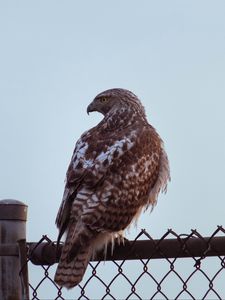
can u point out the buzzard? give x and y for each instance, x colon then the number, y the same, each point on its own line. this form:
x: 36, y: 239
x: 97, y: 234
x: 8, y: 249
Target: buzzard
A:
x: 117, y: 169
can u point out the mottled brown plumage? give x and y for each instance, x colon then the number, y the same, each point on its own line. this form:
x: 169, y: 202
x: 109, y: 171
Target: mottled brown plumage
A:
x: 117, y: 169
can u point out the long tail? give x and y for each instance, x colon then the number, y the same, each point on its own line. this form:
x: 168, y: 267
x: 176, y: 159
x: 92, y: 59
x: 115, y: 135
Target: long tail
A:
x: 69, y: 273
x: 76, y: 254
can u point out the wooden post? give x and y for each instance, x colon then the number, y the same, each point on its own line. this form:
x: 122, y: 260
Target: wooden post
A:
x: 13, y: 215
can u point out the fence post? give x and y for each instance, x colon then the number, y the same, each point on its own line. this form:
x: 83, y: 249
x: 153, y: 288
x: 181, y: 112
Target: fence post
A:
x: 13, y: 215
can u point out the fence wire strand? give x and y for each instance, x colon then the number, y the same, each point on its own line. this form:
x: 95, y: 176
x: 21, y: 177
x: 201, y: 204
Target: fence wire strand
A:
x: 174, y: 277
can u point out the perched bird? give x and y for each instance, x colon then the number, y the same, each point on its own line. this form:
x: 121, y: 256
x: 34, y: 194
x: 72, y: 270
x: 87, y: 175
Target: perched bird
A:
x: 117, y: 169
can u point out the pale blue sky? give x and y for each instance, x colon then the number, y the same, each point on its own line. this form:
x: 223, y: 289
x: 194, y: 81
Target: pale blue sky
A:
x: 55, y: 56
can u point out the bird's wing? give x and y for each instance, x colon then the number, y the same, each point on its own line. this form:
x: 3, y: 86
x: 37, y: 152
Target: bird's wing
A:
x: 74, y: 178
x: 88, y: 168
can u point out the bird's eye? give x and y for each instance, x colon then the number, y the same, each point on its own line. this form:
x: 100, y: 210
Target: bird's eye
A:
x: 103, y: 99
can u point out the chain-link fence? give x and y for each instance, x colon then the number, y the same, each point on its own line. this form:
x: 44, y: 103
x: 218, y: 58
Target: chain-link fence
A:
x: 177, y: 266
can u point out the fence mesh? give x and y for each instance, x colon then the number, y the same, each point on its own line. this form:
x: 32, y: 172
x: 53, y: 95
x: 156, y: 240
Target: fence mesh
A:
x: 170, y: 276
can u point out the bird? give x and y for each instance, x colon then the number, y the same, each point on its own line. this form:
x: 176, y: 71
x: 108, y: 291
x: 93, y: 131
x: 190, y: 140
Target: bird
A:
x: 117, y: 170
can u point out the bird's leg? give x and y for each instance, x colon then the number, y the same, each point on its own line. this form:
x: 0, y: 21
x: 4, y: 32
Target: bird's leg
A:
x: 120, y: 238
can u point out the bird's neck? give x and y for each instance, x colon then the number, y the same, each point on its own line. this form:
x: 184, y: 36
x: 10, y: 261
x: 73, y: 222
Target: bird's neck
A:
x: 121, y: 118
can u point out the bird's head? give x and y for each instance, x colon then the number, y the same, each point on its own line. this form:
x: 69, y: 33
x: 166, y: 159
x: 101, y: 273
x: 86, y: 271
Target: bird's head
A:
x: 111, y: 100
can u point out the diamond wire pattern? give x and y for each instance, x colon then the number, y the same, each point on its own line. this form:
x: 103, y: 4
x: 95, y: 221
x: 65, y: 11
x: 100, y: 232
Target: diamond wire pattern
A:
x: 166, y: 278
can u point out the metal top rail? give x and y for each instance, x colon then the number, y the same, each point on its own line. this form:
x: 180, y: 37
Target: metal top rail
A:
x: 45, y: 252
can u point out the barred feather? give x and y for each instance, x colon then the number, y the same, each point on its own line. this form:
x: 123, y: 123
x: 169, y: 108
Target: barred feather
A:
x: 117, y: 169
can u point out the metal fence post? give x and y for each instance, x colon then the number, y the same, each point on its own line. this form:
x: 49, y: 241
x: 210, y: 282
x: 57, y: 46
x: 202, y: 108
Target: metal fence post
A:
x: 13, y: 215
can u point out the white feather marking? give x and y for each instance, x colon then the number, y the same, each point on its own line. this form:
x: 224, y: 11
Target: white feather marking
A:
x: 88, y: 163
x: 112, y: 149
x: 106, y: 194
x: 81, y: 196
x: 91, y: 205
x: 94, y: 198
x: 81, y: 148
x: 84, y: 194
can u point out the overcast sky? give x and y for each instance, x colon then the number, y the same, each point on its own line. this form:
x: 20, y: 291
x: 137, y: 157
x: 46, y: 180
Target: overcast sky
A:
x: 55, y: 56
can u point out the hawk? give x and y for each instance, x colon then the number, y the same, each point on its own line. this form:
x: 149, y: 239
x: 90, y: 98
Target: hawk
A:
x: 117, y: 169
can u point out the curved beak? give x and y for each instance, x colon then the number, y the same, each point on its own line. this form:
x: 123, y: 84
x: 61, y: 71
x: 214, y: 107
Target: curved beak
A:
x: 90, y: 108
